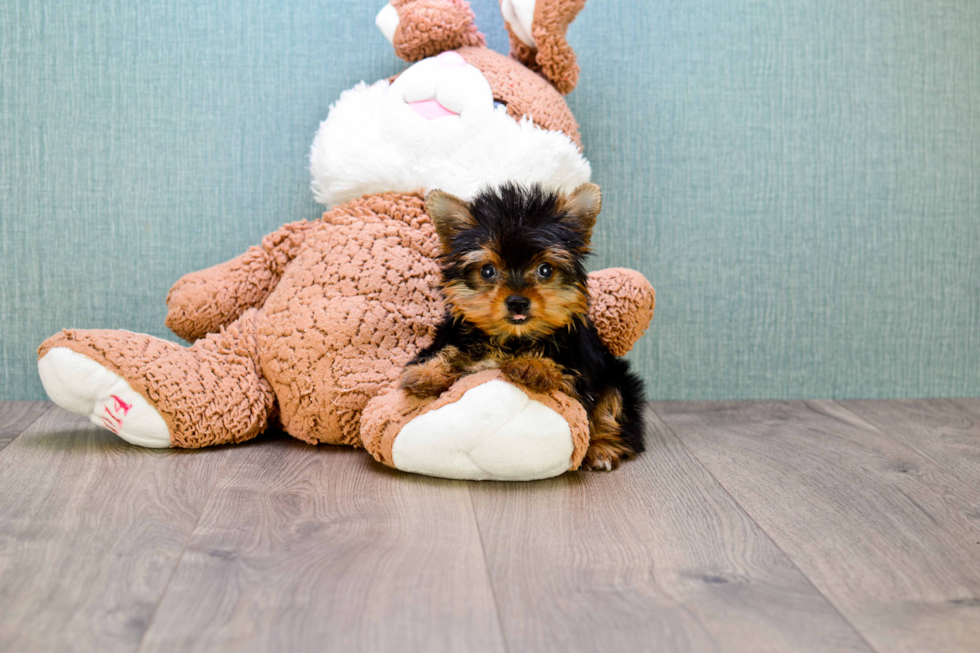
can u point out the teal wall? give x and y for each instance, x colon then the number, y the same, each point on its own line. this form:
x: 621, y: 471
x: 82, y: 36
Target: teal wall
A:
x: 799, y: 179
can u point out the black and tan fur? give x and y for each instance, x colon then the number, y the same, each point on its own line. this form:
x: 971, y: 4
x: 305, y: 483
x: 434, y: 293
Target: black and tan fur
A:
x: 517, y: 300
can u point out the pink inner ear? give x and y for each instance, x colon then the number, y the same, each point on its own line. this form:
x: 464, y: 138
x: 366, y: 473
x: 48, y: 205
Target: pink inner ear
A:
x: 430, y: 109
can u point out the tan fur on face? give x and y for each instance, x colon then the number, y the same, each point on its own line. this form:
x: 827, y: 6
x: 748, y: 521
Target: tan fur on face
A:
x: 554, y: 304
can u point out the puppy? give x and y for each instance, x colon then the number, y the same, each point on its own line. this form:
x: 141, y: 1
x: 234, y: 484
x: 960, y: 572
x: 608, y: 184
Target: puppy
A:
x: 517, y: 300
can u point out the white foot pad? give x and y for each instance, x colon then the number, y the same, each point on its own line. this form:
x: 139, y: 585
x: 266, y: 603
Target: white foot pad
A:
x: 79, y: 384
x: 494, y: 432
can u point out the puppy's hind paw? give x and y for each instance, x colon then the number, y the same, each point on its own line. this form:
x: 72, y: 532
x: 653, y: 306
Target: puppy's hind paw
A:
x: 604, y: 458
x: 599, y: 464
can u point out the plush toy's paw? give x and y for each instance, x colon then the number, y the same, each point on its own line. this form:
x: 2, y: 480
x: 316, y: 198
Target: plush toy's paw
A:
x: 538, y: 374
x: 482, y: 428
x: 79, y: 384
x: 494, y: 431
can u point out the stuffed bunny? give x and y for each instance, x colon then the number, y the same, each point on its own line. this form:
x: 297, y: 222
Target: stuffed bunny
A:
x: 310, y: 329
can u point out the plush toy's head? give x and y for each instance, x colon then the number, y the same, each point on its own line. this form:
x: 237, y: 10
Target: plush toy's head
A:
x: 462, y: 117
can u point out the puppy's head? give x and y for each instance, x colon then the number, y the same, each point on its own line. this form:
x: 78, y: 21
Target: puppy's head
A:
x: 513, y: 257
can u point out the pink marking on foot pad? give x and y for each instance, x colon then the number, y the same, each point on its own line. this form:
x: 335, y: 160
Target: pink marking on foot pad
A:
x: 431, y: 109
x: 121, y: 404
x: 110, y: 421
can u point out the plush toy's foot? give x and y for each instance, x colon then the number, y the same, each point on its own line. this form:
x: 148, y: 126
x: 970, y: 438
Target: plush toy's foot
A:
x: 483, y: 428
x: 155, y: 393
x: 79, y: 384
x: 493, y: 432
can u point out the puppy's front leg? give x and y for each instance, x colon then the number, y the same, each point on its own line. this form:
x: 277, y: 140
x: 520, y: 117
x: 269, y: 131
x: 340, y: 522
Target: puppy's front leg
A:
x: 538, y: 374
x: 432, y: 377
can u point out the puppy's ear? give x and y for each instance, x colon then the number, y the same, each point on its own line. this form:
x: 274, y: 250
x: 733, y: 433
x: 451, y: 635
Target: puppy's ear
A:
x: 450, y: 216
x: 582, y: 207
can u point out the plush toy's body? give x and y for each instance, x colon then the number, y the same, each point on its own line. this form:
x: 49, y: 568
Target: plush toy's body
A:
x: 311, y: 328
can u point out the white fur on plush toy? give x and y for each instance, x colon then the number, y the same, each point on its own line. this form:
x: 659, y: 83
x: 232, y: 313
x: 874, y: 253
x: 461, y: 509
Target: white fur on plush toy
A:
x: 373, y: 142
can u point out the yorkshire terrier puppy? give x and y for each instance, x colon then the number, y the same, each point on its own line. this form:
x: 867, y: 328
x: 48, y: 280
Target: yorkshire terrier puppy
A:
x: 517, y: 299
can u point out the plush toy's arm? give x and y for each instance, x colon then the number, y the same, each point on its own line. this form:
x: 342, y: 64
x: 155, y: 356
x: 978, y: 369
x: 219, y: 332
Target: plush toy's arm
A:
x: 424, y: 28
x: 202, y: 302
x: 621, y: 307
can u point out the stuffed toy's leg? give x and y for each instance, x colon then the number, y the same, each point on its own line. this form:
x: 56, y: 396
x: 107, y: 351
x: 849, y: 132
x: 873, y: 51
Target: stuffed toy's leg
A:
x: 482, y: 428
x: 156, y: 393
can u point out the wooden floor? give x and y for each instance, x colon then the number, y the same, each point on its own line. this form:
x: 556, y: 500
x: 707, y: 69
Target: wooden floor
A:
x: 748, y: 526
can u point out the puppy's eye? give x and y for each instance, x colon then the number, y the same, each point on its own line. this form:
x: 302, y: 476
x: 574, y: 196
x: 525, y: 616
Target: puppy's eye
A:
x: 545, y: 270
x: 488, y: 271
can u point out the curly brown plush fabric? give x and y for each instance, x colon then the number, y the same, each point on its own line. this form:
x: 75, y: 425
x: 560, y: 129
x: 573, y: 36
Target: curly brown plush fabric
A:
x: 621, y: 306
x: 202, y: 302
x: 386, y: 415
x: 555, y: 56
x: 354, y: 307
x: 428, y: 27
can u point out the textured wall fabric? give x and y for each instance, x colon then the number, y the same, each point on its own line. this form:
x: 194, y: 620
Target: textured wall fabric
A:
x: 799, y: 180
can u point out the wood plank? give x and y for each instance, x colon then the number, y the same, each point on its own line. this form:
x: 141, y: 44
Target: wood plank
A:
x: 654, y: 556
x: 945, y: 431
x: 886, y: 534
x: 16, y: 416
x: 91, y: 530
x: 322, y: 549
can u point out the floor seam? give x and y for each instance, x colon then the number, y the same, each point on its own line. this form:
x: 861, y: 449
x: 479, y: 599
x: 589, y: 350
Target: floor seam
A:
x: 51, y: 406
x: 905, y: 445
x: 180, y: 558
x: 768, y: 535
x: 486, y: 570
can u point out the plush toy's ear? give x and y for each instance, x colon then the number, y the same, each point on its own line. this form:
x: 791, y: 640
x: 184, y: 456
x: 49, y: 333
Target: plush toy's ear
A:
x: 424, y: 28
x: 582, y: 207
x: 537, y: 38
x: 450, y: 215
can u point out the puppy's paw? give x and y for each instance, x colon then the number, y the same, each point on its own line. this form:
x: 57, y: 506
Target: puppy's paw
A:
x: 425, y: 381
x: 538, y: 374
x: 603, y: 458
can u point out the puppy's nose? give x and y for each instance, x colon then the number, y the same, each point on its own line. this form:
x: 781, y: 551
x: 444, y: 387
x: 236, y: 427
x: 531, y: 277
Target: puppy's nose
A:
x: 517, y: 304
